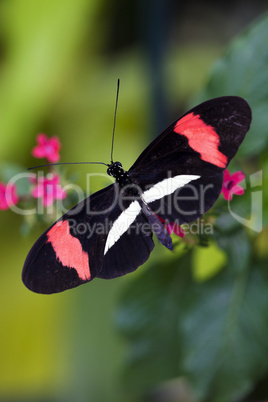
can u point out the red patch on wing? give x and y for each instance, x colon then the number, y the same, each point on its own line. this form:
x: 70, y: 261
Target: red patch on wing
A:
x: 202, y: 138
x: 68, y: 249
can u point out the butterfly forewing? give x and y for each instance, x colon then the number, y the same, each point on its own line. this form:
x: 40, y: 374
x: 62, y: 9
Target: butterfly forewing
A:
x: 222, y: 121
x: 199, y: 146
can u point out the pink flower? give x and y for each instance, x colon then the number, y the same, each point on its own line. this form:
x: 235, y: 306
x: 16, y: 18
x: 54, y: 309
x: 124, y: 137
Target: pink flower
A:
x: 47, y: 148
x: 230, y: 184
x: 8, y: 195
x: 48, y: 188
x: 172, y: 227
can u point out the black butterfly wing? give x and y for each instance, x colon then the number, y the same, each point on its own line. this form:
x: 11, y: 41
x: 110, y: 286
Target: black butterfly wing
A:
x: 192, y: 154
x: 72, y: 251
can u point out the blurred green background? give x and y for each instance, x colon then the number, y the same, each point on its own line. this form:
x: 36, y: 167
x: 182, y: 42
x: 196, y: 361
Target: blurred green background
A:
x: 60, y: 60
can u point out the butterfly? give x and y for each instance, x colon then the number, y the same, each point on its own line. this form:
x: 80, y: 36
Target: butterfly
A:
x: 177, y: 178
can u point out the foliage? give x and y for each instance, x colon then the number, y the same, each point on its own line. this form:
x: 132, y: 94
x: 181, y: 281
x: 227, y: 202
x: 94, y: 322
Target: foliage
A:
x: 212, y: 332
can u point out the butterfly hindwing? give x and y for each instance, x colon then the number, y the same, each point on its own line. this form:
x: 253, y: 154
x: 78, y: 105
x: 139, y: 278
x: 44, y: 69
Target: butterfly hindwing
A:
x: 75, y: 250
x: 129, y: 251
x: 67, y: 255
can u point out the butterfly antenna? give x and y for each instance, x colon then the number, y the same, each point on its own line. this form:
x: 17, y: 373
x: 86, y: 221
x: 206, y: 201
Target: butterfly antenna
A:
x: 68, y: 163
x: 88, y: 163
x: 116, y: 103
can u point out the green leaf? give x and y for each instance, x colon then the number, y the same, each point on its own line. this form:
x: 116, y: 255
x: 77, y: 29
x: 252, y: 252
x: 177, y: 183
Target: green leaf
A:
x: 215, y: 333
x: 10, y: 169
x: 226, y: 222
x: 225, y: 343
x: 18, y: 174
x: 242, y: 71
x: 207, y: 261
x: 148, y: 317
x: 265, y: 186
x: 237, y: 246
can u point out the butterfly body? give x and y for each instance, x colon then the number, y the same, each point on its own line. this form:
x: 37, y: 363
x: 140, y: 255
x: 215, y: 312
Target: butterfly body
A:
x: 121, y: 176
x: 177, y: 178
